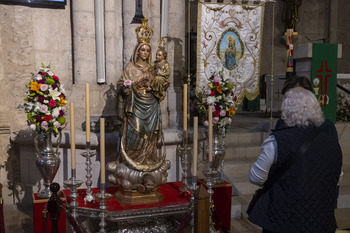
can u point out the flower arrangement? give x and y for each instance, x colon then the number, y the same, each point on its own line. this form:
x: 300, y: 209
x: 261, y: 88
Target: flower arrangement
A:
x: 343, y: 106
x: 218, y: 93
x: 45, y: 102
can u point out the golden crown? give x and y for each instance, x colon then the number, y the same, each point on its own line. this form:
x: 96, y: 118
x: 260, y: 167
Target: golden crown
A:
x: 161, y: 43
x: 143, y: 32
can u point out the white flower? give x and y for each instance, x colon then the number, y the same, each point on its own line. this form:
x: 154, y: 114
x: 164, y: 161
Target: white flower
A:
x: 62, y: 90
x: 206, y: 123
x: 56, y: 124
x: 32, y: 127
x: 55, y: 94
x: 50, y: 73
x: 55, y: 112
x: 38, y: 77
x: 37, y: 106
x: 211, y: 100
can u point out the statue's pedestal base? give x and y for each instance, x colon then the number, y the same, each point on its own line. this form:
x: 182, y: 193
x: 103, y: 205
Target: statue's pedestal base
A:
x: 136, y: 198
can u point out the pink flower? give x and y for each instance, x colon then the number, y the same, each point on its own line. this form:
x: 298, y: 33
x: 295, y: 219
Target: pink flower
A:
x: 217, y: 79
x: 43, y: 108
x: 44, y: 124
x: 64, y: 125
x: 215, y: 120
x: 32, y: 127
x: 52, y: 103
x: 44, y: 87
x: 127, y: 83
x: 205, y: 123
x: 222, y: 113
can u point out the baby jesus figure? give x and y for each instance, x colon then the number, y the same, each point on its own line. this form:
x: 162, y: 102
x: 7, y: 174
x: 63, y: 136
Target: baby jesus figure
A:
x: 161, y: 80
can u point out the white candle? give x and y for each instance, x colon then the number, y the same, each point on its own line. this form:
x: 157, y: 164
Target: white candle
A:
x: 102, y: 150
x: 185, y: 108
x: 210, y: 129
x: 195, y: 143
x: 87, y: 107
x: 72, y: 135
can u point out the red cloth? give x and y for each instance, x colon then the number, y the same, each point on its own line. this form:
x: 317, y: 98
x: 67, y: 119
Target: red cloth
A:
x: 170, y: 191
x: 222, y: 199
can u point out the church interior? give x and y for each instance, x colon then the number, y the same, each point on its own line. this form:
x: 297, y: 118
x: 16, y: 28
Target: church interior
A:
x: 105, y: 99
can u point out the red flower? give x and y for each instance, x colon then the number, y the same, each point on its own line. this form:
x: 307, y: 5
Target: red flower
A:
x: 55, y: 77
x: 212, y: 93
x: 217, y: 113
x: 52, y: 103
x: 47, y: 118
x: 216, y: 83
x: 43, y: 73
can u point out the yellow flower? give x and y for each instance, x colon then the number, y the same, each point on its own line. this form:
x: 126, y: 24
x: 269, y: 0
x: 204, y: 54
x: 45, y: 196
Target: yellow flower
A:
x: 34, y: 86
x: 231, y: 111
x: 62, y: 101
x: 219, y: 89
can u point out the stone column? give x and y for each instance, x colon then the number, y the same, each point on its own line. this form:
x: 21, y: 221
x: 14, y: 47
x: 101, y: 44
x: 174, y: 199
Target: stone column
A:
x: 176, y: 52
x: 333, y: 21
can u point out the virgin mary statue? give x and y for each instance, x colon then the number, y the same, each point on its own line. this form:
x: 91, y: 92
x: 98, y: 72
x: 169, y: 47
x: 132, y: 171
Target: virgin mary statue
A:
x: 139, y: 170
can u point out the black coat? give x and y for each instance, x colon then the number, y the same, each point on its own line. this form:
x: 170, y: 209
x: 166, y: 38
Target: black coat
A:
x: 302, y: 199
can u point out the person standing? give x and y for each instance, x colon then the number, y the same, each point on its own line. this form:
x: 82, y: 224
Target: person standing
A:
x: 302, y: 185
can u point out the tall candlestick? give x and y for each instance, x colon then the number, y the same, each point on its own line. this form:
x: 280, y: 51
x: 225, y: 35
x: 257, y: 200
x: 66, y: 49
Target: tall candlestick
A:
x: 87, y: 107
x: 185, y: 108
x: 102, y: 149
x: 72, y: 135
x: 210, y: 132
x: 195, y: 143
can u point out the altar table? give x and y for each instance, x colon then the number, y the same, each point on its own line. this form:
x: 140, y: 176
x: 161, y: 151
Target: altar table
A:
x: 163, y: 216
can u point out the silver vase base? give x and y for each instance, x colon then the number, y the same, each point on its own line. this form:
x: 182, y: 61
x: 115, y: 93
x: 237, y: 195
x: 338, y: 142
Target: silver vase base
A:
x: 45, y: 194
x: 214, y: 175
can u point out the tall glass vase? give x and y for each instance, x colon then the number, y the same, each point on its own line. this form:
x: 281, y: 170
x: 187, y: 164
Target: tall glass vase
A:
x: 47, y: 160
x: 219, y: 135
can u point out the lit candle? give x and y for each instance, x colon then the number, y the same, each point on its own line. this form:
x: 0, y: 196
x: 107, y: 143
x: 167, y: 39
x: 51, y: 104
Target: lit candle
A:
x: 210, y: 129
x: 195, y: 143
x: 102, y: 150
x: 87, y: 107
x: 185, y: 108
x: 72, y: 135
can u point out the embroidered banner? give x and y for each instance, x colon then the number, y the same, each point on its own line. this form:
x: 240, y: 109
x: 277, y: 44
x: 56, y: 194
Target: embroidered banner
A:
x: 324, y: 77
x: 229, y: 40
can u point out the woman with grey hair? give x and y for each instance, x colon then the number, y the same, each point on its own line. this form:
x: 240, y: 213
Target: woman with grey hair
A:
x: 298, y: 167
